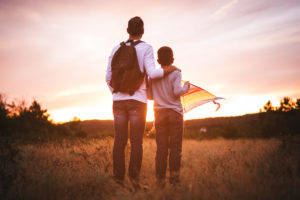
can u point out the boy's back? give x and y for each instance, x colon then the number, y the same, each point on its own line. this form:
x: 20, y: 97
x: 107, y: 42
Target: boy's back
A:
x: 166, y: 92
x: 168, y: 118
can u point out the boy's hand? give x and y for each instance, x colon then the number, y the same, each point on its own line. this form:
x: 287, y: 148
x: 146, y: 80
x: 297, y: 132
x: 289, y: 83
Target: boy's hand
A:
x: 169, y: 69
x: 187, y: 83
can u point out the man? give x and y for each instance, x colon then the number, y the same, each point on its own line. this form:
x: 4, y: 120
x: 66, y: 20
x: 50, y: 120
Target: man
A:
x: 132, y: 108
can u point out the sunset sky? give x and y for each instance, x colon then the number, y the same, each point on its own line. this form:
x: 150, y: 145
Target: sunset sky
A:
x: 57, y: 51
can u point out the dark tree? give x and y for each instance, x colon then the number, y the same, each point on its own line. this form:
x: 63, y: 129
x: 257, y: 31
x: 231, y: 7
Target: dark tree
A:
x: 3, y: 108
x: 286, y: 104
x: 36, y: 111
x: 3, y: 116
x: 298, y: 104
x: 268, y: 107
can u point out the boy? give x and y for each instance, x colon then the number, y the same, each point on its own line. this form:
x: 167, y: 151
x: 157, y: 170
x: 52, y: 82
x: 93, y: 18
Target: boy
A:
x: 168, y: 118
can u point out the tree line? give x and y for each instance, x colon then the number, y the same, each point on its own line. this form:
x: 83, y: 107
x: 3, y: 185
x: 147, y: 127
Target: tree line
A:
x: 281, y: 121
x: 286, y: 105
x: 31, y: 122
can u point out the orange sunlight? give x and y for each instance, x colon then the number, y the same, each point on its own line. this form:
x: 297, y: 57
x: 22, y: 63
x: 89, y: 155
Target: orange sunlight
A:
x: 239, y: 105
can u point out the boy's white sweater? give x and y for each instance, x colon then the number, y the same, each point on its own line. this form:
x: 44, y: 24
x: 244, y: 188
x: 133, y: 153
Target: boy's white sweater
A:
x: 166, y: 92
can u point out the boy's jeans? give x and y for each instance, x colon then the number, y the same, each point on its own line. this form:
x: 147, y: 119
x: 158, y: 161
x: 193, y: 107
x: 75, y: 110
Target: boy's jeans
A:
x: 169, y: 131
x: 134, y: 112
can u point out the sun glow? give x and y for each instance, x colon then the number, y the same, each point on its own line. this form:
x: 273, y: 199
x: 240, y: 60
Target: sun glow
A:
x: 91, y: 112
x: 238, y: 105
x: 68, y: 114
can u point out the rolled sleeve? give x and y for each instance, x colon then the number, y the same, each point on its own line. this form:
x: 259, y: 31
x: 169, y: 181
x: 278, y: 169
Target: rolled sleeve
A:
x: 149, y: 64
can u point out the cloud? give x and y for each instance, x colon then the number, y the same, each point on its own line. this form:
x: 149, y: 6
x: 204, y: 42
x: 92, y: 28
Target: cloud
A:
x: 223, y: 11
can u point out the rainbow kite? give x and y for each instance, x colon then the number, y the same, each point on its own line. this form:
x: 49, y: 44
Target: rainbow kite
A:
x: 197, y: 96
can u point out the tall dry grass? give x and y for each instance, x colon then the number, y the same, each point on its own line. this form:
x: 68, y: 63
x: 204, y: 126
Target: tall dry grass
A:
x: 215, y: 169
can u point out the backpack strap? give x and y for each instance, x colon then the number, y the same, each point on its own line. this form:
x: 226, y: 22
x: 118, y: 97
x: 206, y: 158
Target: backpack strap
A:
x: 134, y: 43
x: 137, y: 42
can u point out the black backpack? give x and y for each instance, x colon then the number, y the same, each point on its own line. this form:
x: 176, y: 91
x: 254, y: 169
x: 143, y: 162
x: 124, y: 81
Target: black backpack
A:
x: 126, y: 74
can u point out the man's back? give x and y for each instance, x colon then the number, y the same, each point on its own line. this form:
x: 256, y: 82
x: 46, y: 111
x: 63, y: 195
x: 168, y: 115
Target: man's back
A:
x: 166, y: 92
x: 145, y: 57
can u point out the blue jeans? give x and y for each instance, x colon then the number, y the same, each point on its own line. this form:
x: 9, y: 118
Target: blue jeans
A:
x: 169, y: 131
x: 130, y: 112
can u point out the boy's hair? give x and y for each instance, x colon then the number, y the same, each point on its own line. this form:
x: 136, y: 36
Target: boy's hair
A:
x: 165, y: 55
x: 135, y: 26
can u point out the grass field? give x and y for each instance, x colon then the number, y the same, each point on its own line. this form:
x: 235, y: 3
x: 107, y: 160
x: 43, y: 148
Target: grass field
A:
x: 211, y: 169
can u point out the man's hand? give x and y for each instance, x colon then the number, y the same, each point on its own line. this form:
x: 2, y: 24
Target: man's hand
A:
x: 169, y: 69
x: 187, y: 83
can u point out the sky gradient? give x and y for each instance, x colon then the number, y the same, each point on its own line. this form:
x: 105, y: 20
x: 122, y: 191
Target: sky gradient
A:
x: 57, y: 51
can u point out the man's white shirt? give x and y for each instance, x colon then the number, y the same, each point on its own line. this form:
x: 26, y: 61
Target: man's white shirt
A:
x: 146, y: 62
